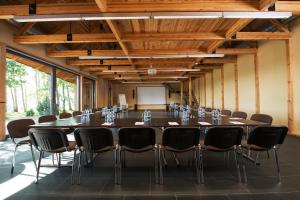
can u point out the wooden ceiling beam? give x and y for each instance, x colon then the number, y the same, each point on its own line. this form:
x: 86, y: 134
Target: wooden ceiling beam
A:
x: 279, y: 25
x: 26, y: 27
x: 236, y: 51
x: 101, y: 68
x: 265, y: 4
x: 165, y: 60
x: 172, y: 36
x: 97, y: 62
x: 219, y: 60
x: 288, y: 6
x: 263, y: 35
x: 93, y: 8
x: 9, y: 11
x: 77, y: 53
x: 62, y: 38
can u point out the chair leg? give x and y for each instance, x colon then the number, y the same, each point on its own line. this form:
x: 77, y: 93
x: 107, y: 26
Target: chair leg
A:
x: 155, y: 165
x: 277, y: 164
x: 176, y: 159
x: 13, y: 160
x: 256, y: 159
x: 33, y: 156
x: 39, y: 166
x: 160, y: 159
x: 116, y: 165
x: 73, y: 166
x: 120, y: 166
x: 243, y: 165
x: 79, y: 167
x: 201, y: 165
x: 237, y: 164
x: 164, y: 158
x: 197, y: 157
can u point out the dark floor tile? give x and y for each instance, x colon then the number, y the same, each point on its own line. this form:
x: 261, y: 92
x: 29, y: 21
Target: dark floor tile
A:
x: 208, y: 197
x: 150, y: 198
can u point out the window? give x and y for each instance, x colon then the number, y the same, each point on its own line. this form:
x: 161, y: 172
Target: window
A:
x: 66, y: 91
x: 27, y: 88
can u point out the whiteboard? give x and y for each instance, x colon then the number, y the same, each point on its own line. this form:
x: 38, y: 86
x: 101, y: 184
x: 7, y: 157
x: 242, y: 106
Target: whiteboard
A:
x: 152, y: 95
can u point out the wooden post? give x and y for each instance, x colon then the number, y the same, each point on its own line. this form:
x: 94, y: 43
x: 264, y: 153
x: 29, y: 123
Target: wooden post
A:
x: 181, y: 92
x: 204, y: 90
x: 222, y: 86
x: 236, y: 85
x: 2, y: 90
x: 190, y: 91
x: 200, y: 91
x: 212, y: 90
x: 257, y: 94
x: 81, y: 93
x: 290, y: 73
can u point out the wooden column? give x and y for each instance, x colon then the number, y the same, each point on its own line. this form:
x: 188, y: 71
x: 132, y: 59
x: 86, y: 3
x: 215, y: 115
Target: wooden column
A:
x: 2, y: 90
x: 81, y: 106
x: 290, y: 73
x: 257, y: 94
x: 181, y: 92
x: 212, y: 90
x: 236, y: 86
x: 200, y: 91
x: 222, y: 87
x: 190, y: 91
x: 204, y: 86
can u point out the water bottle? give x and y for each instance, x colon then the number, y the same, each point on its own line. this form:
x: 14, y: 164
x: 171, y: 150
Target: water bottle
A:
x: 201, y: 112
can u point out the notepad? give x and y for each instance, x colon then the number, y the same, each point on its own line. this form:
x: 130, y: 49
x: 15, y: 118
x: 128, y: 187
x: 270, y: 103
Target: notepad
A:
x: 107, y: 124
x: 204, y: 123
x: 173, y: 123
x: 139, y: 123
x: 235, y: 122
x: 235, y: 118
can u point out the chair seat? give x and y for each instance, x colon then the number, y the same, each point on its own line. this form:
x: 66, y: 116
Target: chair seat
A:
x: 72, y: 146
x: 252, y: 146
x: 167, y: 148
x: 212, y: 148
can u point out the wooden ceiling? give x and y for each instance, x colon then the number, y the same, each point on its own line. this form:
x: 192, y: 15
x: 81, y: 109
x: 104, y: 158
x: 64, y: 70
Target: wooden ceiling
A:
x: 140, y: 37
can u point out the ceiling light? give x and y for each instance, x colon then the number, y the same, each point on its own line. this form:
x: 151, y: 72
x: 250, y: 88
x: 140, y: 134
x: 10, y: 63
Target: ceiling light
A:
x: 257, y: 15
x: 179, y: 70
x: 116, y: 16
x: 186, y: 15
x: 47, y: 18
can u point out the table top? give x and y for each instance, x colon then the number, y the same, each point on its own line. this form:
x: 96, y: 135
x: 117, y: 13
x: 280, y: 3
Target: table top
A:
x: 159, y: 119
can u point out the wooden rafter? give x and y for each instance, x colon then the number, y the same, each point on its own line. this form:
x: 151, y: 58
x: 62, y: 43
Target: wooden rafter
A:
x: 290, y: 6
x: 265, y: 4
x: 279, y: 25
x: 26, y: 27
x: 236, y: 51
x: 263, y: 35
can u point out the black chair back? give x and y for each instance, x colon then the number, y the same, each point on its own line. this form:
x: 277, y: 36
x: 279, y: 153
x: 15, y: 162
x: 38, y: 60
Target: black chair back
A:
x: 48, y: 139
x: 267, y: 136
x: 239, y: 114
x: 226, y: 112
x: 208, y: 109
x: 93, y: 139
x: 65, y: 115
x: 136, y: 138
x: 19, y: 128
x: 76, y: 113
x: 47, y: 118
x: 262, y: 118
x: 181, y: 138
x: 223, y: 137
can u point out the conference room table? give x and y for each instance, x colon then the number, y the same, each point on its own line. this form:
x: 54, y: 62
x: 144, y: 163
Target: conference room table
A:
x: 158, y: 119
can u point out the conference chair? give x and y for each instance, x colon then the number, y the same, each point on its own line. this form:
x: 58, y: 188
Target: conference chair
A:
x: 208, y: 109
x: 47, y: 118
x: 94, y: 141
x: 223, y: 139
x: 18, y: 132
x: 262, y: 118
x: 264, y: 139
x: 239, y: 114
x: 226, y: 112
x: 76, y: 113
x: 179, y: 140
x: 53, y: 141
x: 65, y: 115
x: 136, y: 140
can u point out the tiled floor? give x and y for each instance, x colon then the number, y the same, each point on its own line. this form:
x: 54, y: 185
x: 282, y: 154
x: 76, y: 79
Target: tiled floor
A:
x: 138, y: 180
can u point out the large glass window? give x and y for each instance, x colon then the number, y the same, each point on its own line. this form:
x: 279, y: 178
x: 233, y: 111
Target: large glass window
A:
x: 27, y: 88
x: 66, y: 91
x: 88, y: 87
